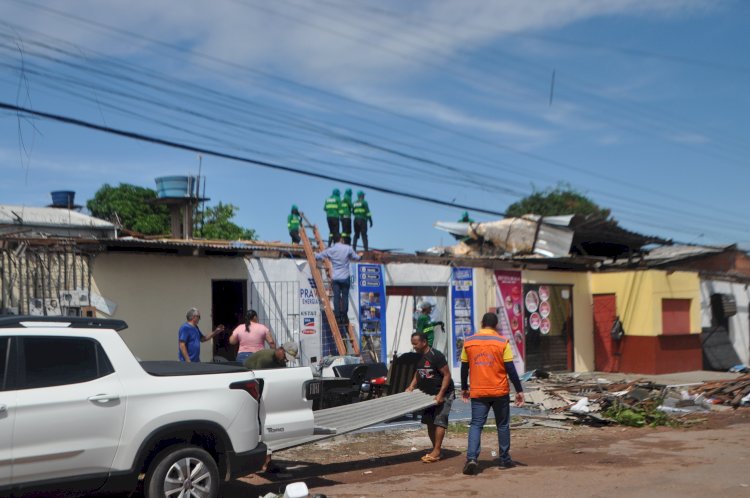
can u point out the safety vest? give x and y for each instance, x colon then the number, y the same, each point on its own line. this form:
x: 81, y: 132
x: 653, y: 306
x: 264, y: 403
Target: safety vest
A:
x: 345, y: 209
x: 361, y: 209
x: 331, y: 207
x: 487, y: 375
x: 428, y: 327
x: 293, y: 222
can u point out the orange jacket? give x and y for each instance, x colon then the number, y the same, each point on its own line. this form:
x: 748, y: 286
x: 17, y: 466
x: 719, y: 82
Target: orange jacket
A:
x: 486, y: 353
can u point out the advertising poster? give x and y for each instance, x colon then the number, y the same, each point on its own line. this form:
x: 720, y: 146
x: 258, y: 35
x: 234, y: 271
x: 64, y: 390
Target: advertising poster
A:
x: 510, y: 313
x: 538, y: 309
x: 462, y: 306
x: 370, y: 288
x: 310, y: 316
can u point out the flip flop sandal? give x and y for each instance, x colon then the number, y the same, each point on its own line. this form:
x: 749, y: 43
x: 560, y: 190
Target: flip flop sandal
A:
x: 430, y: 459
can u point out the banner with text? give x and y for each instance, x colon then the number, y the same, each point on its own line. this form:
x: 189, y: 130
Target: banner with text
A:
x: 509, y: 291
x: 462, y: 307
x: 370, y: 290
x: 310, y: 319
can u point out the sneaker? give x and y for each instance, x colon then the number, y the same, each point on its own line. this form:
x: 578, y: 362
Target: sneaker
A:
x: 507, y: 464
x: 470, y: 468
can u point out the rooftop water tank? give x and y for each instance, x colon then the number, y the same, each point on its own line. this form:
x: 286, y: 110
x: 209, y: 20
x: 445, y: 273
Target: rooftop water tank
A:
x: 63, y: 199
x: 175, y: 186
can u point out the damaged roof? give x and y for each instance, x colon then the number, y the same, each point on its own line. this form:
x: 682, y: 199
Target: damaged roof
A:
x: 599, y: 237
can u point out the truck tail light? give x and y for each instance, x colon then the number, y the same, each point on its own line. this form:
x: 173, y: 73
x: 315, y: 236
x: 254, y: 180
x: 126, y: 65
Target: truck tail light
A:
x: 249, y: 386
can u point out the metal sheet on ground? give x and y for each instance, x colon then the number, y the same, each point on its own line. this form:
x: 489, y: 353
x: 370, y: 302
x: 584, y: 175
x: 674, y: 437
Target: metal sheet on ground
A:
x: 349, y: 418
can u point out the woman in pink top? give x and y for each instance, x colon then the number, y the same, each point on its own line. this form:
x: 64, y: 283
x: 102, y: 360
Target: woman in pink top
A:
x: 250, y: 336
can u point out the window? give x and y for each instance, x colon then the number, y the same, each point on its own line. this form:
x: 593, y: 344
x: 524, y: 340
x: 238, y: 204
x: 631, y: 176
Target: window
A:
x: 55, y: 361
x: 675, y: 316
x: 4, y: 353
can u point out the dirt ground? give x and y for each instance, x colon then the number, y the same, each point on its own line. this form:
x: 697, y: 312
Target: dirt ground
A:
x: 710, y: 457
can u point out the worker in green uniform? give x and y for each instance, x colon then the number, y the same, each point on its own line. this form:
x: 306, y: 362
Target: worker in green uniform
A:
x: 465, y: 218
x: 345, y: 214
x: 362, y: 216
x: 425, y: 323
x: 331, y: 207
x: 293, y: 221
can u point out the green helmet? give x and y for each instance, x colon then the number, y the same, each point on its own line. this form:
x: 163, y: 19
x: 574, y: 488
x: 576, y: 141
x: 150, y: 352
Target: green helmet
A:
x: 348, y: 192
x: 336, y: 192
x: 360, y: 194
x: 294, y: 208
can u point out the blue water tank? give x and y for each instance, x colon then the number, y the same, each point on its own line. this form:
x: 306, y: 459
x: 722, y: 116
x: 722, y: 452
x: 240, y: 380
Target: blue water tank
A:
x: 63, y: 198
x: 175, y: 186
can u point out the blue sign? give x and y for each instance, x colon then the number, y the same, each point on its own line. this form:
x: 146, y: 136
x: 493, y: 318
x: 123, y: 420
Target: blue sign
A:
x: 462, y: 305
x: 371, y: 317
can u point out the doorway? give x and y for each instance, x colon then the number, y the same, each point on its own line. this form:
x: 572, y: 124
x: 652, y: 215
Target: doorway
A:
x: 402, y: 312
x: 228, y: 298
x: 548, y: 323
x: 605, y: 311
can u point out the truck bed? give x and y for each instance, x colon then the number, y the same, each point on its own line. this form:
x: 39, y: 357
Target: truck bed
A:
x: 178, y: 368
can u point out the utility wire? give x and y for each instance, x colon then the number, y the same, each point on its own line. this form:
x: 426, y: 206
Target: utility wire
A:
x: 469, y: 136
x: 209, y: 152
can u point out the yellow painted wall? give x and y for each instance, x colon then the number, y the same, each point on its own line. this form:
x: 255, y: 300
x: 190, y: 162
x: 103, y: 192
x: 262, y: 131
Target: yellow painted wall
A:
x: 171, y: 285
x: 639, y: 295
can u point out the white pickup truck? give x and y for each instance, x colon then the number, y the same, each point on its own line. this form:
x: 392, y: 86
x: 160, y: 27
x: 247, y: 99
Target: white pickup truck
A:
x: 80, y: 415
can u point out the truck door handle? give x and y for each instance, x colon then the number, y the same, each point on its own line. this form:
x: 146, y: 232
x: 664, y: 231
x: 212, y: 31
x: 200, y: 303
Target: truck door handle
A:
x: 3, y: 410
x: 103, y: 398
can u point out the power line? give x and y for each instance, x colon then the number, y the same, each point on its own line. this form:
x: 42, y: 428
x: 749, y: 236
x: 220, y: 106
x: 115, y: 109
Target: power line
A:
x: 210, y: 152
x: 385, y: 111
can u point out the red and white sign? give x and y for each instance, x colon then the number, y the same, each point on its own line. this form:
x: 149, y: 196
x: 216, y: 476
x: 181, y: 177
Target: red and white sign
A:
x: 509, y: 291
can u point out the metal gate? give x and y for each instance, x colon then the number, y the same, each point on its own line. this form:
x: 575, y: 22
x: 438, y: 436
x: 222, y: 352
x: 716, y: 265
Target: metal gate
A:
x: 277, y: 304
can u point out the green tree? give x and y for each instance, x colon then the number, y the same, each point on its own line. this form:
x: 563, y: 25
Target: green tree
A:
x: 132, y: 206
x: 559, y: 200
x: 215, y: 223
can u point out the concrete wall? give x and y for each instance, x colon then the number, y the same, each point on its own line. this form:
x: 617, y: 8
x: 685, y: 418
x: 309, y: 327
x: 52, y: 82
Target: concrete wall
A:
x: 153, y: 293
x: 639, y: 295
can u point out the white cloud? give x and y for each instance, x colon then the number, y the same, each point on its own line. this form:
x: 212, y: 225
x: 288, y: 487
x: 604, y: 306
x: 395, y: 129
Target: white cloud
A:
x: 689, y: 138
x: 356, y: 42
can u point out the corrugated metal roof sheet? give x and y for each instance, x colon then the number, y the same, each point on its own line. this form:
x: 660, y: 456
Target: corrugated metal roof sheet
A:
x: 681, y: 251
x: 41, y: 216
x: 349, y: 418
x: 227, y: 245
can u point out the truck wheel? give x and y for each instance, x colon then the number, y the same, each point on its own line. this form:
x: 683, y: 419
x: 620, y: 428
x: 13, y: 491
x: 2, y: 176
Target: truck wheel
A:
x: 184, y: 471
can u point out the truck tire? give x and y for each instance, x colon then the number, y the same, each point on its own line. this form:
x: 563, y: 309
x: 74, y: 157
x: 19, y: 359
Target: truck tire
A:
x: 188, y: 468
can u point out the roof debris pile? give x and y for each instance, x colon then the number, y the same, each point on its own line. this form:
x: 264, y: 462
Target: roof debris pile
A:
x: 570, y: 398
x: 735, y: 392
x: 547, y: 236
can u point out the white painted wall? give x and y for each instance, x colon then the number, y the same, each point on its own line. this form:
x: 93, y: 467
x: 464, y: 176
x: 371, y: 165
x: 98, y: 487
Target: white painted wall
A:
x: 153, y: 292
x: 739, y: 326
x: 417, y: 274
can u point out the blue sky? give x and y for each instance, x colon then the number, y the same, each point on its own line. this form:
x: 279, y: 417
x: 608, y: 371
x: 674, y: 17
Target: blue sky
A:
x: 455, y: 100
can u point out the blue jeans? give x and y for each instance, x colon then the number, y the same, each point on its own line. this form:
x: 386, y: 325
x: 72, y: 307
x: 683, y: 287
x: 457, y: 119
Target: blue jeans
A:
x: 480, y: 408
x: 243, y: 356
x: 341, y: 299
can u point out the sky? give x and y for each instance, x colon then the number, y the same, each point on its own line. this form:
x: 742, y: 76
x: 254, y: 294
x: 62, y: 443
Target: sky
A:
x: 640, y: 105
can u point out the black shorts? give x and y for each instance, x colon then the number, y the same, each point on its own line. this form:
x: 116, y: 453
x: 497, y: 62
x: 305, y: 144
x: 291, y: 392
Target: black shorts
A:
x: 438, y: 414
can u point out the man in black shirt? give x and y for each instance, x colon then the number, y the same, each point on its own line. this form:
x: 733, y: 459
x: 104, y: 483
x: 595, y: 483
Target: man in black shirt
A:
x: 433, y: 377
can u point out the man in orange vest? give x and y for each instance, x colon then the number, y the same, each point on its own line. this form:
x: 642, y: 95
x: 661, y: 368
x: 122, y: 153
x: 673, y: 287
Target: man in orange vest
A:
x: 486, y: 365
